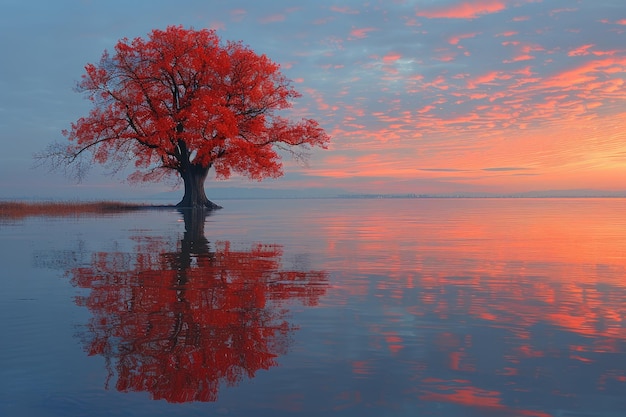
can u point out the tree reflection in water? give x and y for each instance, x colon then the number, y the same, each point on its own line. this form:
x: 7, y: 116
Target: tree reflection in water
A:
x: 178, y: 320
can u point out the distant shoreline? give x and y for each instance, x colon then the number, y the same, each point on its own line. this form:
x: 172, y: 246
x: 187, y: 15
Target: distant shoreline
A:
x: 504, y: 196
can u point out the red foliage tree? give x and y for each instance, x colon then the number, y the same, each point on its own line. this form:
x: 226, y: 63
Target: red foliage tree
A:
x: 181, y: 102
x: 178, y: 323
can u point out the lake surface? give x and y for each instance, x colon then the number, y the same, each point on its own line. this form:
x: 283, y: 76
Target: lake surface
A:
x: 391, y: 307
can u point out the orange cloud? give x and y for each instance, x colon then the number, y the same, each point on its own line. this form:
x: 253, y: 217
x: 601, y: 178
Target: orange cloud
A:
x: 586, y: 73
x: 581, y: 50
x: 465, y: 10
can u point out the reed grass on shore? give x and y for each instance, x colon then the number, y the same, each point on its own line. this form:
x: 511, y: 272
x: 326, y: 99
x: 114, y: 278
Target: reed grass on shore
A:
x: 21, y: 209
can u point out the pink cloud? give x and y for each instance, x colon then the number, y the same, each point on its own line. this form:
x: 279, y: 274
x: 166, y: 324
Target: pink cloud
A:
x: 323, y: 21
x: 455, y: 39
x: 319, y: 99
x: 465, y: 10
x: 345, y: 10
x: 519, y: 58
x: 564, y: 10
x: 426, y: 109
x: 273, y: 18
x: 237, y: 15
x: 527, y: 72
x: 216, y: 25
x: 585, y: 73
x: 392, y: 57
x: 445, y: 55
x: 483, y: 79
x: 581, y: 50
x: 360, y: 33
x: 524, y: 51
x: 439, y: 83
x: 478, y: 96
x: 602, y: 53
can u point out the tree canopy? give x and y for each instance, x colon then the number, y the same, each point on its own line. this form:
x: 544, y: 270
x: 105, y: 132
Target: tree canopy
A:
x: 182, y: 102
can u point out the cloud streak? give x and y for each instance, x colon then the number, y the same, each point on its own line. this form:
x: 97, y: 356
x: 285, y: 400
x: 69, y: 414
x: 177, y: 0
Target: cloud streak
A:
x: 464, y: 10
x: 505, y: 169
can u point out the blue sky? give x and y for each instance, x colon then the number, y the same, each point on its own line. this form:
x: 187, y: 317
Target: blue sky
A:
x: 426, y: 96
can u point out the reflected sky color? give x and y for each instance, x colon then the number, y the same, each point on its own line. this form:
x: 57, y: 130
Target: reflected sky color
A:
x: 473, y: 307
x: 423, y: 96
x: 479, y: 307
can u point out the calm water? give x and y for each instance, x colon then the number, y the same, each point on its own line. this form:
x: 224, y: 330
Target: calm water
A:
x: 319, y: 307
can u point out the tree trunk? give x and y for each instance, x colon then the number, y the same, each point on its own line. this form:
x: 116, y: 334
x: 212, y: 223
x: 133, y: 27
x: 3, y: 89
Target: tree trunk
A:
x: 195, y: 197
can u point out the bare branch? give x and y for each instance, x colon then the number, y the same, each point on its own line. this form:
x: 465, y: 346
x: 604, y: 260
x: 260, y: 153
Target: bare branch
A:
x: 57, y: 157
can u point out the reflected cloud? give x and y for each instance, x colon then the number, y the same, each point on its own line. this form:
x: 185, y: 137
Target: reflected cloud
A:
x: 496, y: 308
x: 179, y: 319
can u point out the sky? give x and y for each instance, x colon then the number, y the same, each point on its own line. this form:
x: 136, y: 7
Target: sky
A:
x: 422, y: 96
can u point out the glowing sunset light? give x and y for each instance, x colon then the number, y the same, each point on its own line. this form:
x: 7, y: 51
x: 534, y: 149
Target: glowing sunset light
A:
x: 502, y: 294
x: 453, y: 84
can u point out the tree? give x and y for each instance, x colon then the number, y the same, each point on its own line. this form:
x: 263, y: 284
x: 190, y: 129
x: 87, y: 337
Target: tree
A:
x: 182, y: 102
x: 182, y: 319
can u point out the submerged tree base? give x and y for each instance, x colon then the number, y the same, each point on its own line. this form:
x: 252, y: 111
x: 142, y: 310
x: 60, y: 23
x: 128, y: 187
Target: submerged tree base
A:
x: 195, y: 196
x: 206, y: 205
